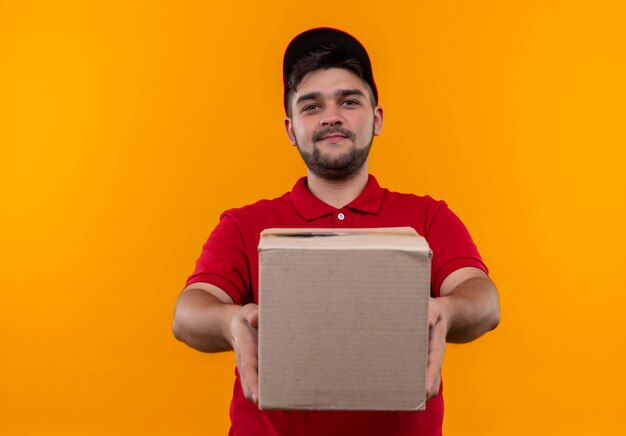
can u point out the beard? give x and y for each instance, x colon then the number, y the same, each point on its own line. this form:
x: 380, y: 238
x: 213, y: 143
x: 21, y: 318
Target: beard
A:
x: 341, y: 167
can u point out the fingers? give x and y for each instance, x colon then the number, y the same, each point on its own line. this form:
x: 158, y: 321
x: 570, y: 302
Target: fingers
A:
x: 245, y: 339
x: 433, y: 390
x: 247, y: 363
x: 436, y: 350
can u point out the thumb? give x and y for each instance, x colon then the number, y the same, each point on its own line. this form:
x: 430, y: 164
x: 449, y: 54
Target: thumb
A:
x: 253, y: 317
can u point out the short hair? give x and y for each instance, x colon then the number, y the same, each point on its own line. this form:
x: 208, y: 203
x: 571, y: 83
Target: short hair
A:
x: 327, y: 57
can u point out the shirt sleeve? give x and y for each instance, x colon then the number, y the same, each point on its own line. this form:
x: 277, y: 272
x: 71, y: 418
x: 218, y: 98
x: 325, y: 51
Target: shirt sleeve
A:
x: 223, y: 262
x: 451, y: 244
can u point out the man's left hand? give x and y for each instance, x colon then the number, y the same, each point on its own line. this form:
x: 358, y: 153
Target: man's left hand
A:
x: 437, y: 327
x: 467, y: 308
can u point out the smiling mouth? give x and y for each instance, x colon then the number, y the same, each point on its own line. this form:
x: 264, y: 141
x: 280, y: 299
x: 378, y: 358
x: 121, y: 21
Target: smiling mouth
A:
x: 333, y: 134
x: 334, y: 137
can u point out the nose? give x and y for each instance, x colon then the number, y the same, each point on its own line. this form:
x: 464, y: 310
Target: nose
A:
x: 331, y: 116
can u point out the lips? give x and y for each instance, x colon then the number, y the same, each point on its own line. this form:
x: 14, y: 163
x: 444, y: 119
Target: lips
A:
x: 333, y: 134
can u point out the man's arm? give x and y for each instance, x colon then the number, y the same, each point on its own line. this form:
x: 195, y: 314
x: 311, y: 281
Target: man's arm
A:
x: 472, y: 307
x: 467, y: 308
x: 206, y: 319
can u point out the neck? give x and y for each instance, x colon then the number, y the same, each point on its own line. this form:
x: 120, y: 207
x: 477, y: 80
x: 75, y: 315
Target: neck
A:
x: 338, y: 193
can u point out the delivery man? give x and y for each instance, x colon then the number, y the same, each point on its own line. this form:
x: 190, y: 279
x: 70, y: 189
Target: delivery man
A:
x: 332, y: 116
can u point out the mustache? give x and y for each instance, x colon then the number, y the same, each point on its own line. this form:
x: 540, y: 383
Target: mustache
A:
x: 332, y: 131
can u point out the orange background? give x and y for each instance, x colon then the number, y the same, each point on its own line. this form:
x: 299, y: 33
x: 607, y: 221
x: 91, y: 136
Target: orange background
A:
x: 126, y: 127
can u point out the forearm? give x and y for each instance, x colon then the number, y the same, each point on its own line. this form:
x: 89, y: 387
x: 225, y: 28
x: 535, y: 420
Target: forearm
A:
x: 203, y: 322
x: 471, y: 310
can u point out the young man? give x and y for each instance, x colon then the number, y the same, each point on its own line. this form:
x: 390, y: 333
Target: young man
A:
x: 333, y: 114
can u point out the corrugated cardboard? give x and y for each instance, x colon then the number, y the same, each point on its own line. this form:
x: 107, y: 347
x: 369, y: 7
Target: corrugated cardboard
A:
x: 343, y: 319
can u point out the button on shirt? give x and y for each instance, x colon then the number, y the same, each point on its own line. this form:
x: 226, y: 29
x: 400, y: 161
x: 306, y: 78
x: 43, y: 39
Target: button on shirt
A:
x: 229, y: 260
x: 341, y: 219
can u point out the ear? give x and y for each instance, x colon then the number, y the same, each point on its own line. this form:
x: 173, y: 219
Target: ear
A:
x: 289, y: 130
x: 378, y: 120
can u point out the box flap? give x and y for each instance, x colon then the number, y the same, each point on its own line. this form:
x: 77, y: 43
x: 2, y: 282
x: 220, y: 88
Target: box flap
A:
x: 395, y: 238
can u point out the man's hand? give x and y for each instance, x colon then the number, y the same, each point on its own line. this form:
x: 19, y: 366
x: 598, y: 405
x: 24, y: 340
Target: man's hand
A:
x: 437, y: 330
x: 467, y: 308
x: 207, y: 319
x: 244, y: 331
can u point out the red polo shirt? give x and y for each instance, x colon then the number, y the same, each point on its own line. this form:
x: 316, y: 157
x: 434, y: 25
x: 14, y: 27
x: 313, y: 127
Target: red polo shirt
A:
x: 229, y: 260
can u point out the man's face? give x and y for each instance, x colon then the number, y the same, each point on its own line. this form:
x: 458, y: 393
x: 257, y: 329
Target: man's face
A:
x: 333, y: 122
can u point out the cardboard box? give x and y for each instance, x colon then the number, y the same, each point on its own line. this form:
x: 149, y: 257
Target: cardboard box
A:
x: 343, y: 319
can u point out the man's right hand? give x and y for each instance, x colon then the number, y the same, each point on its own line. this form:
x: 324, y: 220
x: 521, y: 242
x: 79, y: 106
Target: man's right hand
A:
x: 244, y: 331
x: 207, y: 319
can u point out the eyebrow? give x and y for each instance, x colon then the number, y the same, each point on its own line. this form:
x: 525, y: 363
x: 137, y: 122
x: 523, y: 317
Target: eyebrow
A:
x: 339, y: 93
x: 309, y: 96
x: 347, y: 92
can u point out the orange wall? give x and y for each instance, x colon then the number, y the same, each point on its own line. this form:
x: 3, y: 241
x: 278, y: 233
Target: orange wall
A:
x: 126, y: 127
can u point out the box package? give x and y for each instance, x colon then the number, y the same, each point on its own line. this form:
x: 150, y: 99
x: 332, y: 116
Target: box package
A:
x: 343, y: 319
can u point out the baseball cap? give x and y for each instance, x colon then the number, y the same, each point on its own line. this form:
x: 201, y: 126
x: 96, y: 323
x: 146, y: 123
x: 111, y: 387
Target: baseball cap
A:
x: 321, y: 37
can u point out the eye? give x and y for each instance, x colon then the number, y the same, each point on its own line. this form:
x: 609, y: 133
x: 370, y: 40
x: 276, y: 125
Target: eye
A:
x: 310, y: 107
x: 350, y: 102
